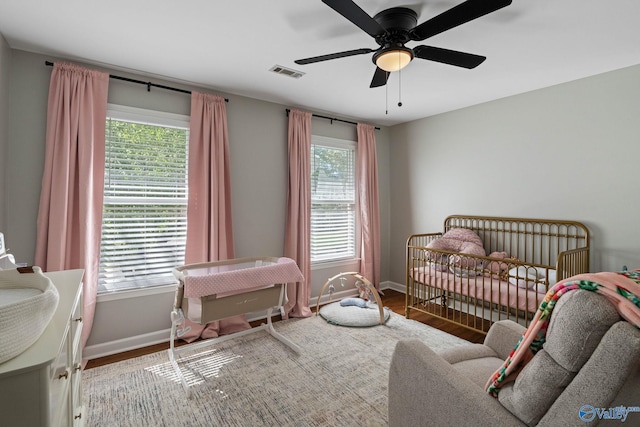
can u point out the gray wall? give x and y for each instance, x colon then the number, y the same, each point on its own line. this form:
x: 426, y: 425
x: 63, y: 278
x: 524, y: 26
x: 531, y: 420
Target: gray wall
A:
x: 569, y: 152
x: 258, y: 156
x: 5, y: 59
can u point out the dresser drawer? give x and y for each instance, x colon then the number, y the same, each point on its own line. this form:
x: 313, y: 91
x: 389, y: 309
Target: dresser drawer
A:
x: 76, y: 407
x: 76, y: 329
x: 59, y: 384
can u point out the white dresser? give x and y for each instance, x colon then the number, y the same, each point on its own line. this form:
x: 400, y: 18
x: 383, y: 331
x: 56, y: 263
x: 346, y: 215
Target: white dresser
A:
x: 42, y: 386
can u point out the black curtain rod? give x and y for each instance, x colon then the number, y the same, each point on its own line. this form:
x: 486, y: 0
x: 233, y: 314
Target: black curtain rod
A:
x: 147, y: 84
x: 333, y: 119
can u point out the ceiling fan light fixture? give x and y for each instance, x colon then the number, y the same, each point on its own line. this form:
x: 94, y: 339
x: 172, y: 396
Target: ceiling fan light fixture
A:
x: 393, y: 58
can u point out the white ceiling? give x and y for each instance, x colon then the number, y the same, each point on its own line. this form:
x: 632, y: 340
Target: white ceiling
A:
x: 229, y: 46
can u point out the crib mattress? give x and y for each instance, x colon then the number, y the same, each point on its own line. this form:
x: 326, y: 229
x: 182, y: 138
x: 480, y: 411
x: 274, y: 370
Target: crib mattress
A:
x: 484, y: 287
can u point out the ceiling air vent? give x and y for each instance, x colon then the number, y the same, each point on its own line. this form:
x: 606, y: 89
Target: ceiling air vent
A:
x: 286, y: 71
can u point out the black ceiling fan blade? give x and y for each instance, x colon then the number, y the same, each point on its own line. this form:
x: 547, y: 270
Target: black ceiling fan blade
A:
x: 380, y: 78
x: 446, y: 56
x: 457, y: 15
x: 356, y: 15
x: 333, y: 56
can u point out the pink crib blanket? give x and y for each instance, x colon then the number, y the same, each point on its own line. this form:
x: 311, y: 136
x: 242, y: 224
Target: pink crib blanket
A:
x: 622, y: 289
x: 242, y: 277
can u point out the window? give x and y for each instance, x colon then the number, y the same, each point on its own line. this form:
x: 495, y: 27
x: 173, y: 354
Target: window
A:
x: 145, y: 198
x: 333, y: 200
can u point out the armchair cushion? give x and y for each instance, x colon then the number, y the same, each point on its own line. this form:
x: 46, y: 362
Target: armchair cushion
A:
x: 499, y: 342
x: 474, y: 361
x: 536, y: 388
x: 609, y: 378
x: 503, y: 336
x: 579, y: 321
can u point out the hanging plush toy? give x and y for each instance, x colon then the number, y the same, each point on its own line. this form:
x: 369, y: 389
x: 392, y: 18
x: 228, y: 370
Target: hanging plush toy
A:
x: 363, y: 291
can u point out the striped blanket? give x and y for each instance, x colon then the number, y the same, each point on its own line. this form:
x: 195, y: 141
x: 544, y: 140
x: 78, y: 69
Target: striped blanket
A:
x: 622, y: 289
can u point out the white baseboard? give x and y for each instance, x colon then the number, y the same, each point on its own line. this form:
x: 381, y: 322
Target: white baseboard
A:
x: 400, y: 287
x: 132, y: 343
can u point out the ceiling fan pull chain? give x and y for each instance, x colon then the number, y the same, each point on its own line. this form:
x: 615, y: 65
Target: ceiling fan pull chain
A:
x: 386, y: 99
x: 399, y: 88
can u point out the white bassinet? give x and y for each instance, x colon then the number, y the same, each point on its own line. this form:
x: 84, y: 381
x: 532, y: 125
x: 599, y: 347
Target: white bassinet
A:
x: 216, y: 290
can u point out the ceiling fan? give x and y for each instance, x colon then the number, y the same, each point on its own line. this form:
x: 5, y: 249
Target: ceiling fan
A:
x: 393, y: 28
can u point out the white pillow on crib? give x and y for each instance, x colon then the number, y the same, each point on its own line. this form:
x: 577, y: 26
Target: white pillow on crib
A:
x: 551, y: 272
x: 464, y: 272
x: 552, y: 276
x: 435, y: 266
x: 523, y: 277
x: 530, y: 277
x: 540, y: 288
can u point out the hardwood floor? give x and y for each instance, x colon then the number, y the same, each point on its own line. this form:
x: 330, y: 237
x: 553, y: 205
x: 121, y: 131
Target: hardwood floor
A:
x: 394, y: 300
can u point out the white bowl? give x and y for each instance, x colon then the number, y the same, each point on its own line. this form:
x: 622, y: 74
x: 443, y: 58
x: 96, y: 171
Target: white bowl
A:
x: 28, y: 301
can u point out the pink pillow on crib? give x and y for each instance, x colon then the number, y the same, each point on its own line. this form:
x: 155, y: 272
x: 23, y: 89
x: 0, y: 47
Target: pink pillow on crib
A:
x: 460, y: 240
x: 496, y: 266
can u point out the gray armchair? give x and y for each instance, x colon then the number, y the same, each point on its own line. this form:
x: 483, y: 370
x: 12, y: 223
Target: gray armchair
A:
x: 590, y: 361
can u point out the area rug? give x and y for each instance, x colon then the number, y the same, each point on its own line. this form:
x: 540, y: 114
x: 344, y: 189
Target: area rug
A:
x: 339, y: 379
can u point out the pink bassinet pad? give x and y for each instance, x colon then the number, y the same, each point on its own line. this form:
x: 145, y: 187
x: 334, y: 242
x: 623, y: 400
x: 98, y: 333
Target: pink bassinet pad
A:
x: 243, y: 276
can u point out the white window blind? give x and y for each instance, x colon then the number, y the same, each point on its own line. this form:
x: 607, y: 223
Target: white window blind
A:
x: 333, y: 200
x: 145, y: 199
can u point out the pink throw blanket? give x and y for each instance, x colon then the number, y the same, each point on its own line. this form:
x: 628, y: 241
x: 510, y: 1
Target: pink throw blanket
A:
x: 622, y: 289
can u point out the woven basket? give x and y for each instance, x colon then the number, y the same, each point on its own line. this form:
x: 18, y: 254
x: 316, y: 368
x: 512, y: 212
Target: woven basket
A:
x: 22, y: 321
